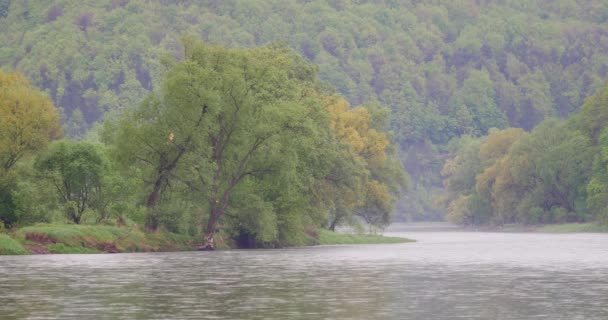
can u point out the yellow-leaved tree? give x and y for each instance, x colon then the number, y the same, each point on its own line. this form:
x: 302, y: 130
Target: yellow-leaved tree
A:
x: 28, y: 121
x: 380, y: 178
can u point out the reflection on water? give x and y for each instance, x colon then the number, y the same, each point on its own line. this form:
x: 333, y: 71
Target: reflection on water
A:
x: 445, y: 275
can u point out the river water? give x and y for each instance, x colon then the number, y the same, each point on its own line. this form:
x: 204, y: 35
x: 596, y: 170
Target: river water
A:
x: 445, y: 275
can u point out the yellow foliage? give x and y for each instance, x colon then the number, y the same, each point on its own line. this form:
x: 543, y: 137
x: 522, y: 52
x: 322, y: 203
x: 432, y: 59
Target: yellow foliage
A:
x: 459, y: 211
x: 28, y: 119
x: 498, y: 143
x: 497, y: 186
x: 352, y: 126
x: 371, y: 197
x: 450, y: 167
x: 378, y: 192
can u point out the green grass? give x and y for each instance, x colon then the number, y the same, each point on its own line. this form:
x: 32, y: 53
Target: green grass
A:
x: 327, y: 237
x: 67, y: 238
x: 62, y: 248
x: 573, y: 227
x: 62, y: 238
x: 9, y: 246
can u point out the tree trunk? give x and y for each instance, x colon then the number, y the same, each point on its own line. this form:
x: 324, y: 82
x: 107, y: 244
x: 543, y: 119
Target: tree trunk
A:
x: 153, y: 197
x: 151, y: 221
x: 208, y: 243
x: 72, y: 215
x: 333, y: 224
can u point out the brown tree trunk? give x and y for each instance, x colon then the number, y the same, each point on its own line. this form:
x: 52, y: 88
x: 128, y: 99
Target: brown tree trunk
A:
x: 73, y: 215
x: 208, y: 242
x: 151, y: 221
x: 153, y: 197
x: 333, y: 224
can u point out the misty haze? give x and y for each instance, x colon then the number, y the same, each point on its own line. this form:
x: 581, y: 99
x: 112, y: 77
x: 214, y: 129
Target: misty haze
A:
x: 303, y: 159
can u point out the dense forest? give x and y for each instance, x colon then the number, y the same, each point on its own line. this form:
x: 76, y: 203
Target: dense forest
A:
x: 461, y: 87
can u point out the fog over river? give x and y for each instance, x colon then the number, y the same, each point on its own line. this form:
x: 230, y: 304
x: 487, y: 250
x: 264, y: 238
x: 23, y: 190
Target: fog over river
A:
x: 445, y: 275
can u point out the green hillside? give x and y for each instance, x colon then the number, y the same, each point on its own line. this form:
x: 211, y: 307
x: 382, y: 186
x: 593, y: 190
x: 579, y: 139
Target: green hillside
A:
x: 445, y: 68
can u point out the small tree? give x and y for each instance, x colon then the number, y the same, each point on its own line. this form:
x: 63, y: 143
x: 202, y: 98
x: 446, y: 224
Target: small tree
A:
x: 76, y: 169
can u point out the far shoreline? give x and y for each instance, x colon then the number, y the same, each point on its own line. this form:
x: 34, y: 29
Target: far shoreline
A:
x: 507, y: 228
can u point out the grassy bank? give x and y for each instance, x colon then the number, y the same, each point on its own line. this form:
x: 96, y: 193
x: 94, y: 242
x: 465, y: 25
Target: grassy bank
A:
x: 573, y: 228
x: 56, y: 238
x: 327, y: 237
x: 61, y: 238
x: 8, y: 246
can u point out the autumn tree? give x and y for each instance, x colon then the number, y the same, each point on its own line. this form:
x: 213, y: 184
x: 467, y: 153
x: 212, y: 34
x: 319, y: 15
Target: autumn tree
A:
x: 28, y: 121
x: 372, y: 188
x: 459, y: 174
x: 495, y: 185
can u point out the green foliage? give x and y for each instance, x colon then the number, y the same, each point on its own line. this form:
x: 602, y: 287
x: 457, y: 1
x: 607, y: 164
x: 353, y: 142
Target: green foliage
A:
x: 554, y: 165
x: 593, y: 118
x: 76, y: 170
x: 35, y: 199
x: 546, y: 176
x: 28, y: 121
x: 251, y: 141
x: 477, y: 95
x: 248, y: 136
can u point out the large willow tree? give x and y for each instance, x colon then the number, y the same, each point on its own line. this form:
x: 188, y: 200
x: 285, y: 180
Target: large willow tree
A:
x: 259, y: 109
x: 222, y: 118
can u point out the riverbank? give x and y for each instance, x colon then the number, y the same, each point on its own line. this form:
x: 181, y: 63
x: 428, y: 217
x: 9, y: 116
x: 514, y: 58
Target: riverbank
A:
x: 514, y: 228
x: 549, y: 228
x: 327, y: 237
x: 8, y: 246
x: 574, y: 228
x: 59, y: 238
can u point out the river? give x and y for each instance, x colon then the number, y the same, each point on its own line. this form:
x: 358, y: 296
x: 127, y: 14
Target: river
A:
x: 445, y: 275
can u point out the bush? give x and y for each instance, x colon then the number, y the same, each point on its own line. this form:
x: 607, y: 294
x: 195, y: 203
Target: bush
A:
x: 558, y: 214
x: 535, y: 215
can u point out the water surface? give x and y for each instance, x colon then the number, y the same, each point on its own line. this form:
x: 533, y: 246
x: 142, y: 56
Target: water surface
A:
x: 445, y: 275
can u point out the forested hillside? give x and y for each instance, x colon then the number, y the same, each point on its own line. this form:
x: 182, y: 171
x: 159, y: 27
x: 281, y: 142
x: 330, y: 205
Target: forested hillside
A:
x: 445, y: 68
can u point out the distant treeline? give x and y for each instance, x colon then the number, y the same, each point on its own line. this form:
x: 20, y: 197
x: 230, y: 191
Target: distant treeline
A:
x: 244, y: 144
x: 556, y: 173
x: 444, y: 68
